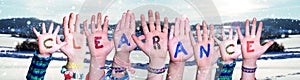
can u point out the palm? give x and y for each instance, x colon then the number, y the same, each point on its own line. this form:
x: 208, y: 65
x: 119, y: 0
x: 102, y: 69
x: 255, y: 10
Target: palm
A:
x: 182, y: 37
x: 98, y: 42
x: 204, y: 61
x: 42, y: 38
x: 148, y: 46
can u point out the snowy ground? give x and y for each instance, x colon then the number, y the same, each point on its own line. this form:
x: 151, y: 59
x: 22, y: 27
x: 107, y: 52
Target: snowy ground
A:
x: 280, y: 69
x: 16, y: 69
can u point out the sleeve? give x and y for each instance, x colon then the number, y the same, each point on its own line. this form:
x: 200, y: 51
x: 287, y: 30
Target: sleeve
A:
x: 38, y: 67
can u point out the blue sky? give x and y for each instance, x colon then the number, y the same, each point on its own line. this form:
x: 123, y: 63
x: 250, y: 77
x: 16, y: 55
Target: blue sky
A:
x: 228, y: 10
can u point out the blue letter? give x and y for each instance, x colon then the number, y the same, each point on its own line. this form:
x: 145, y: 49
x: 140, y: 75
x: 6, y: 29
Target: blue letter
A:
x: 179, y: 49
x: 123, y: 40
x: 202, y: 50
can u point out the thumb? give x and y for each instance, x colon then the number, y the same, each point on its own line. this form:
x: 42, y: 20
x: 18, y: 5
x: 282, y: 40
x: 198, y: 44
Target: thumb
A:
x: 58, y: 41
x: 266, y: 46
x: 137, y: 40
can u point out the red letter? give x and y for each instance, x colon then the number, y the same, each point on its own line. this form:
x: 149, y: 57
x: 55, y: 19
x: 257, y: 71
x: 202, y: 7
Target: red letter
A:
x: 97, y: 42
x: 249, y: 44
x: 74, y: 45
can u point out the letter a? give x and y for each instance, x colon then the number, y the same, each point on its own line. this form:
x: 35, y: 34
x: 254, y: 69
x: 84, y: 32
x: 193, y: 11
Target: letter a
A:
x: 202, y: 50
x: 123, y: 40
x: 179, y: 49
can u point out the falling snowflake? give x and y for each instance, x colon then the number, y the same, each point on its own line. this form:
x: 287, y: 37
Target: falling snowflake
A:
x: 73, y: 7
x: 28, y: 22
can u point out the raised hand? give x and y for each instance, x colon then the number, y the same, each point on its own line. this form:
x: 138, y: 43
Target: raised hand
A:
x: 251, y: 48
x: 204, y: 47
x: 99, y: 46
x: 203, y: 51
x: 98, y: 42
x: 155, y: 46
x: 47, y: 41
x: 180, y: 47
x: 75, y: 40
x: 228, y: 47
x: 124, y: 30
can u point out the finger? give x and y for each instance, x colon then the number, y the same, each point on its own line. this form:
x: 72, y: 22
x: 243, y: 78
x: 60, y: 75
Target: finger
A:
x: 105, y: 27
x: 187, y: 26
x: 71, y: 24
x: 157, y: 17
x: 141, y: 37
x: 93, y: 24
x: 99, y: 21
x: 118, y: 26
x: 56, y: 30
x: 239, y: 32
x: 172, y: 32
x: 247, y: 28
x: 193, y: 42
x: 58, y: 41
x: 166, y: 25
x: 181, y: 26
x: 58, y: 46
x: 211, y: 32
x: 132, y: 23
x: 144, y: 24
x: 123, y: 19
x: 85, y: 28
x: 266, y: 46
x: 137, y: 41
x: 205, y: 32
x: 127, y: 19
x: 217, y: 40
x: 230, y: 34
x: 237, y: 53
x: 151, y: 20
x: 43, y: 28
x: 236, y: 37
x: 253, y: 27
x: 198, y: 32
x: 77, y: 24
x: 177, y: 27
x: 259, y: 30
x: 36, y: 32
x: 223, y: 34
x: 65, y: 25
x: 51, y: 28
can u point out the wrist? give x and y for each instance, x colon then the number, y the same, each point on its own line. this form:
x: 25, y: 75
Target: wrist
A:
x: 45, y: 55
x: 227, y: 61
x: 250, y: 63
x: 98, y: 61
x: 177, y: 63
x: 157, y: 63
x: 122, y: 56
